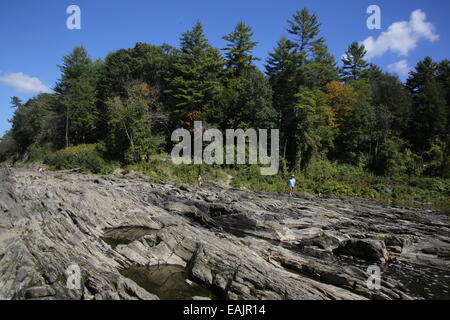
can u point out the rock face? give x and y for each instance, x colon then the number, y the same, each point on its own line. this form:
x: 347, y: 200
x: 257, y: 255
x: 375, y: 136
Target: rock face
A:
x: 367, y: 249
x: 240, y: 244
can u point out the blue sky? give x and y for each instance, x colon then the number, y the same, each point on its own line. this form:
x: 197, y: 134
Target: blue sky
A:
x: 34, y: 35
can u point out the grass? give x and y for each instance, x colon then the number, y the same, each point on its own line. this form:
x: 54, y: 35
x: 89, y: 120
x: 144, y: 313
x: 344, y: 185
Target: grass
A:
x: 322, y: 177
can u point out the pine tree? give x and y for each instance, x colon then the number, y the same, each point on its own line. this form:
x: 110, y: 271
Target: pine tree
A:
x: 429, y: 121
x: 305, y: 29
x: 320, y: 70
x: 15, y: 102
x: 239, y: 49
x: 354, y: 63
x: 281, y: 68
x: 77, y: 89
x: 302, y: 61
x: 247, y: 96
x: 196, y: 87
x: 32, y: 121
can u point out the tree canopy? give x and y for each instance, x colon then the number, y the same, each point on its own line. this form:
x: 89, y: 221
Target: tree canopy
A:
x: 348, y: 111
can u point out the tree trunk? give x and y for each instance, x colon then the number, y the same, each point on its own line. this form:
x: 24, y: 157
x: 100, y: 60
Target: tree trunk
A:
x: 67, y: 127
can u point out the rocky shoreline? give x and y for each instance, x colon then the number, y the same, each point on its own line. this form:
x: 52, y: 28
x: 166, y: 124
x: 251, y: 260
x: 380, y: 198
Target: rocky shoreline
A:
x: 238, y: 244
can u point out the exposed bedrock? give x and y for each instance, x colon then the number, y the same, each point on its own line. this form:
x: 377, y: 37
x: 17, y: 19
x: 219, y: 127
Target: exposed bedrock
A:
x: 238, y: 244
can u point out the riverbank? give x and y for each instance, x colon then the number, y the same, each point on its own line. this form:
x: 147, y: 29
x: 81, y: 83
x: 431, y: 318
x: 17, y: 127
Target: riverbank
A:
x: 236, y: 244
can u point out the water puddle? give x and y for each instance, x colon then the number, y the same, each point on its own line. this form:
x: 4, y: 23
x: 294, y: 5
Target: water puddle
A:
x: 167, y: 282
x: 126, y: 235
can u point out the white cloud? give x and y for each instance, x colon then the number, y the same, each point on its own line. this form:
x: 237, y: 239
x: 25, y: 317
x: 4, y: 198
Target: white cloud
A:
x: 23, y: 83
x: 401, y: 37
x: 401, y: 67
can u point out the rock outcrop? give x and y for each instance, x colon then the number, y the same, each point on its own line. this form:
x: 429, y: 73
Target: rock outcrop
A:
x: 367, y: 249
x: 240, y: 244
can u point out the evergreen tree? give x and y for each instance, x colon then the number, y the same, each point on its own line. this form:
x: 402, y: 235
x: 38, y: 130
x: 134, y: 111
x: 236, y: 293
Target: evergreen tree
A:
x: 356, y: 114
x: 77, y: 89
x: 248, y: 101
x: 305, y: 29
x: 16, y: 102
x: 238, y: 54
x: 354, y: 63
x: 429, y: 120
x: 320, y: 70
x: 196, y: 87
x: 281, y: 70
x: 32, y: 121
x: 443, y: 72
x: 292, y: 64
x: 247, y: 95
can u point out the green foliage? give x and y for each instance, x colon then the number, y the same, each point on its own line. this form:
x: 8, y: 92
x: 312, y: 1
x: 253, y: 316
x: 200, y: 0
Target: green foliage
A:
x: 38, y: 152
x: 238, y: 54
x: 130, y: 127
x: 8, y: 147
x: 161, y: 170
x: 353, y: 131
x: 77, y: 92
x: 354, y: 141
x: 391, y: 96
x: 126, y: 67
x: 354, y: 63
x: 298, y: 63
x: 249, y: 102
x: 313, y: 133
x: 195, y: 85
x: 437, y: 160
x: 395, y: 159
x: 342, y: 180
x: 83, y: 157
x: 32, y: 121
x: 430, y: 106
x: 320, y: 70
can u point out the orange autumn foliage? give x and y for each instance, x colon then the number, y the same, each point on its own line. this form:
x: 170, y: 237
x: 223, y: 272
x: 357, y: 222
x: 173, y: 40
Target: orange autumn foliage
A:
x: 341, y: 98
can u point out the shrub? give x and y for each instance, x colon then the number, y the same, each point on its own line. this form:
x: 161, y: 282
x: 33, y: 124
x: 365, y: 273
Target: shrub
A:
x: 84, y: 157
x: 38, y: 152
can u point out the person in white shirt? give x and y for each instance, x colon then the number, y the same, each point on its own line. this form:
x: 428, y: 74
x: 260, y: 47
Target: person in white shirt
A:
x: 291, y: 185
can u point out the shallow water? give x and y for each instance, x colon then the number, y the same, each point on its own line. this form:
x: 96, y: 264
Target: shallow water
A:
x: 420, y: 282
x: 167, y: 282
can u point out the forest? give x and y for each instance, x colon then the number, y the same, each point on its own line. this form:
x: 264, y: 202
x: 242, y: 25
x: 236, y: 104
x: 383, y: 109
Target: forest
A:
x: 332, y: 113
